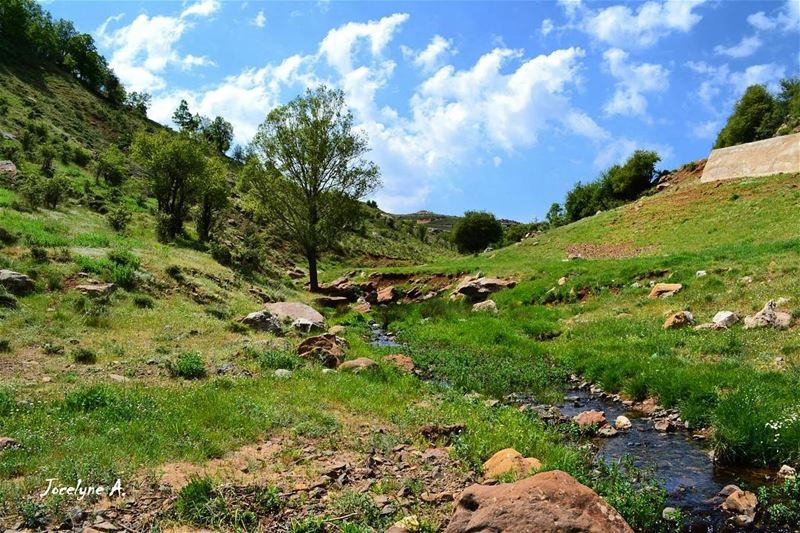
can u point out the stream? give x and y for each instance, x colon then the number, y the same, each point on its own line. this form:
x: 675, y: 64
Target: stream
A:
x: 682, y: 465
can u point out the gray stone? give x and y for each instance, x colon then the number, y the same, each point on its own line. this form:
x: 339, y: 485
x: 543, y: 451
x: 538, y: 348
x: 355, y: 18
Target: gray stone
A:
x: 283, y: 373
x: 16, y: 283
x: 8, y: 167
x: 725, y: 319
x: 262, y: 321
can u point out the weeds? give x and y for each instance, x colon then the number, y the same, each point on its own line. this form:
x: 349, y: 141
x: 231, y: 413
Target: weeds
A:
x: 188, y: 365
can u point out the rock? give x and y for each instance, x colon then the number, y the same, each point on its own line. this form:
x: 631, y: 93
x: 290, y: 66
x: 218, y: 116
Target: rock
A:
x: 16, y: 283
x: 725, y: 319
x: 340, y: 287
x: 480, y: 288
x: 436, y: 431
x: 679, y: 320
x: 663, y: 425
x: 363, y: 307
x: 574, y: 257
x: 357, y: 365
x: 96, y: 289
x: 387, y: 295
x: 262, y: 321
x: 488, y: 306
x: 550, y: 502
x: 622, y: 423
x: 509, y: 461
x: 670, y: 514
x: 291, y: 311
x: 665, y: 290
x: 589, y: 418
x: 403, y: 362
x: 741, y: 502
x: 607, y: 431
x: 768, y: 317
x: 746, y: 279
x: 562, y: 280
x: 8, y: 167
x: 727, y: 490
x: 787, y: 472
x: 296, y: 273
x: 282, y: 373
x: 118, y: 378
x: 106, y: 526
x: 326, y: 348
x: 331, y: 301
x: 337, y: 329
x: 306, y: 326
x: 699, y: 274
x: 8, y: 442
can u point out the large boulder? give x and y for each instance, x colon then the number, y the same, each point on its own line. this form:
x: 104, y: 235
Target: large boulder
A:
x: 340, y: 287
x: 550, y: 502
x: 16, y: 283
x: 8, y: 167
x: 357, y: 365
x: 262, y: 321
x: 509, y: 461
x: 665, y: 290
x: 476, y: 289
x: 768, y: 317
x: 292, y: 311
x: 590, y: 418
x: 387, y: 295
x: 326, y: 348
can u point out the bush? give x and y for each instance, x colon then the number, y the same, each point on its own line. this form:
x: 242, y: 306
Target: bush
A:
x: 124, y: 258
x: 273, y: 359
x: 7, y: 300
x: 475, y: 231
x: 119, y: 218
x: 7, y: 238
x: 142, y: 301
x: 111, y: 166
x: 84, y: 356
x: 188, y: 365
x: 192, y: 503
x: 5, y: 345
x: 89, y: 398
x: 31, y: 190
x: 39, y: 254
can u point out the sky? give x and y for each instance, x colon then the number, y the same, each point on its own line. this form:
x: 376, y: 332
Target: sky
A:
x: 498, y: 106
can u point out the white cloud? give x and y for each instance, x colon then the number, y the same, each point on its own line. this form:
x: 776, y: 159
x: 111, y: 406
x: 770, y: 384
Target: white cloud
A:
x: 432, y: 56
x: 142, y: 50
x: 721, y: 87
x: 761, y: 21
x: 338, y: 46
x: 622, y: 27
x: 260, y: 20
x: 707, y: 129
x: 633, y: 81
x: 547, y: 27
x: 571, y: 7
x: 746, y: 47
x: 787, y: 18
x: 618, y: 150
x: 768, y: 74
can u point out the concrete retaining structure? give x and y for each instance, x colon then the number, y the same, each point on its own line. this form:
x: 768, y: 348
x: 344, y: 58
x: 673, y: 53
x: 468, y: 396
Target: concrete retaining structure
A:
x: 761, y: 158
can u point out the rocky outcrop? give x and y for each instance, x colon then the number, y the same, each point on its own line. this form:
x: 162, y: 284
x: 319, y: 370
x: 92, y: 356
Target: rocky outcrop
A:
x: 293, y: 311
x: 8, y: 167
x: 590, y: 418
x: 262, y: 321
x: 387, y: 295
x: 16, y: 283
x: 550, y: 502
x: 768, y: 317
x: 679, y: 320
x: 357, y: 365
x: 477, y: 289
x: 509, y: 461
x: 742, y: 504
x: 96, y: 289
x: 326, y: 348
x: 665, y: 290
x: 488, y: 306
x: 340, y: 287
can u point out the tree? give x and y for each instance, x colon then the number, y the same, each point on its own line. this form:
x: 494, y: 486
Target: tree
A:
x: 756, y: 116
x: 184, y: 119
x: 310, y: 170
x: 138, y: 101
x: 219, y: 134
x: 53, y: 190
x: 111, y: 166
x: 213, y: 198
x: 555, y: 215
x: 176, y: 168
x: 630, y: 180
x: 475, y: 231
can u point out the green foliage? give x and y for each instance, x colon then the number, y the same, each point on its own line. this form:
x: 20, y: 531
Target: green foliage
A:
x: 213, y: 199
x: 268, y: 499
x: 311, y: 170
x: 7, y: 402
x: 89, y: 398
x: 111, y: 166
x: 193, y: 500
x: 119, y: 218
x: 188, y: 365
x: 143, y: 301
x: 475, y: 231
x: 31, y: 189
x: 517, y: 232
x: 781, y: 503
x: 139, y: 102
x: 84, y: 356
x: 54, y: 189
x: 272, y: 359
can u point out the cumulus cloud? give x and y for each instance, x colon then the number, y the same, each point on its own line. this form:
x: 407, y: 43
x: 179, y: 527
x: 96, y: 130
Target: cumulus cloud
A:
x: 142, y: 50
x: 787, y: 18
x: 622, y: 27
x: 547, y: 27
x: 746, y: 47
x: 260, y: 20
x: 432, y: 56
x: 338, y: 46
x: 634, y: 80
x: 618, y: 150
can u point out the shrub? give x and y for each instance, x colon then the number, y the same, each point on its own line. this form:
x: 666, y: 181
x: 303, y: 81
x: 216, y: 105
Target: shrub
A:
x: 39, y: 254
x: 175, y: 272
x: 273, y: 359
x: 475, y: 231
x: 84, y: 356
x: 124, y: 258
x: 7, y: 300
x: 111, y: 166
x: 192, y: 504
x: 5, y: 345
x: 89, y: 398
x: 219, y: 312
x: 267, y: 499
x: 189, y: 365
x: 31, y: 190
x: 142, y: 301
x: 7, y: 238
x: 119, y: 218
x: 7, y: 402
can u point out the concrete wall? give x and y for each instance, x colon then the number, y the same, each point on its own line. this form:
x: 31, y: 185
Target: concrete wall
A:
x: 760, y: 158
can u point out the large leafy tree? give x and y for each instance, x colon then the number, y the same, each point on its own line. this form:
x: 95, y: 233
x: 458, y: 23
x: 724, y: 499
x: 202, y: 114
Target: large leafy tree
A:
x: 219, y: 134
x: 213, y: 198
x: 475, y: 231
x: 631, y: 179
x: 755, y: 117
x: 310, y: 169
x: 177, y: 169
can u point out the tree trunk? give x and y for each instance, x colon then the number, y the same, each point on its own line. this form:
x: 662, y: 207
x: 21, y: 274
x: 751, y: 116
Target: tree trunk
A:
x: 313, y: 282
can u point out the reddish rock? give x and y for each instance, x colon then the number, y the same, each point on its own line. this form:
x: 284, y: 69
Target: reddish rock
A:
x: 362, y: 308
x: 480, y: 288
x: 509, y: 461
x: 96, y: 289
x: 403, y: 362
x: 679, y: 320
x: 387, y: 295
x: 550, y: 502
x: 665, y: 290
x: 588, y: 418
x: 741, y: 502
x: 326, y: 348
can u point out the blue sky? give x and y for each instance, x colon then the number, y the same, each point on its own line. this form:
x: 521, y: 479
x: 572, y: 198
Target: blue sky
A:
x: 500, y: 106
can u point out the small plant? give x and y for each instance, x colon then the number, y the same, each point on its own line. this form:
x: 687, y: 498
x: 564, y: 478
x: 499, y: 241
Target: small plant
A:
x: 189, y: 365
x: 119, y: 218
x: 52, y: 349
x: 237, y: 327
x: 309, y: 524
x: 272, y: 359
x: 7, y: 300
x: 175, y: 272
x: 5, y: 346
x: 143, y: 301
x: 84, y: 356
x: 268, y: 499
x: 89, y: 398
x: 7, y: 238
x: 219, y: 312
x: 7, y: 402
x: 39, y: 254
x: 193, y: 501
